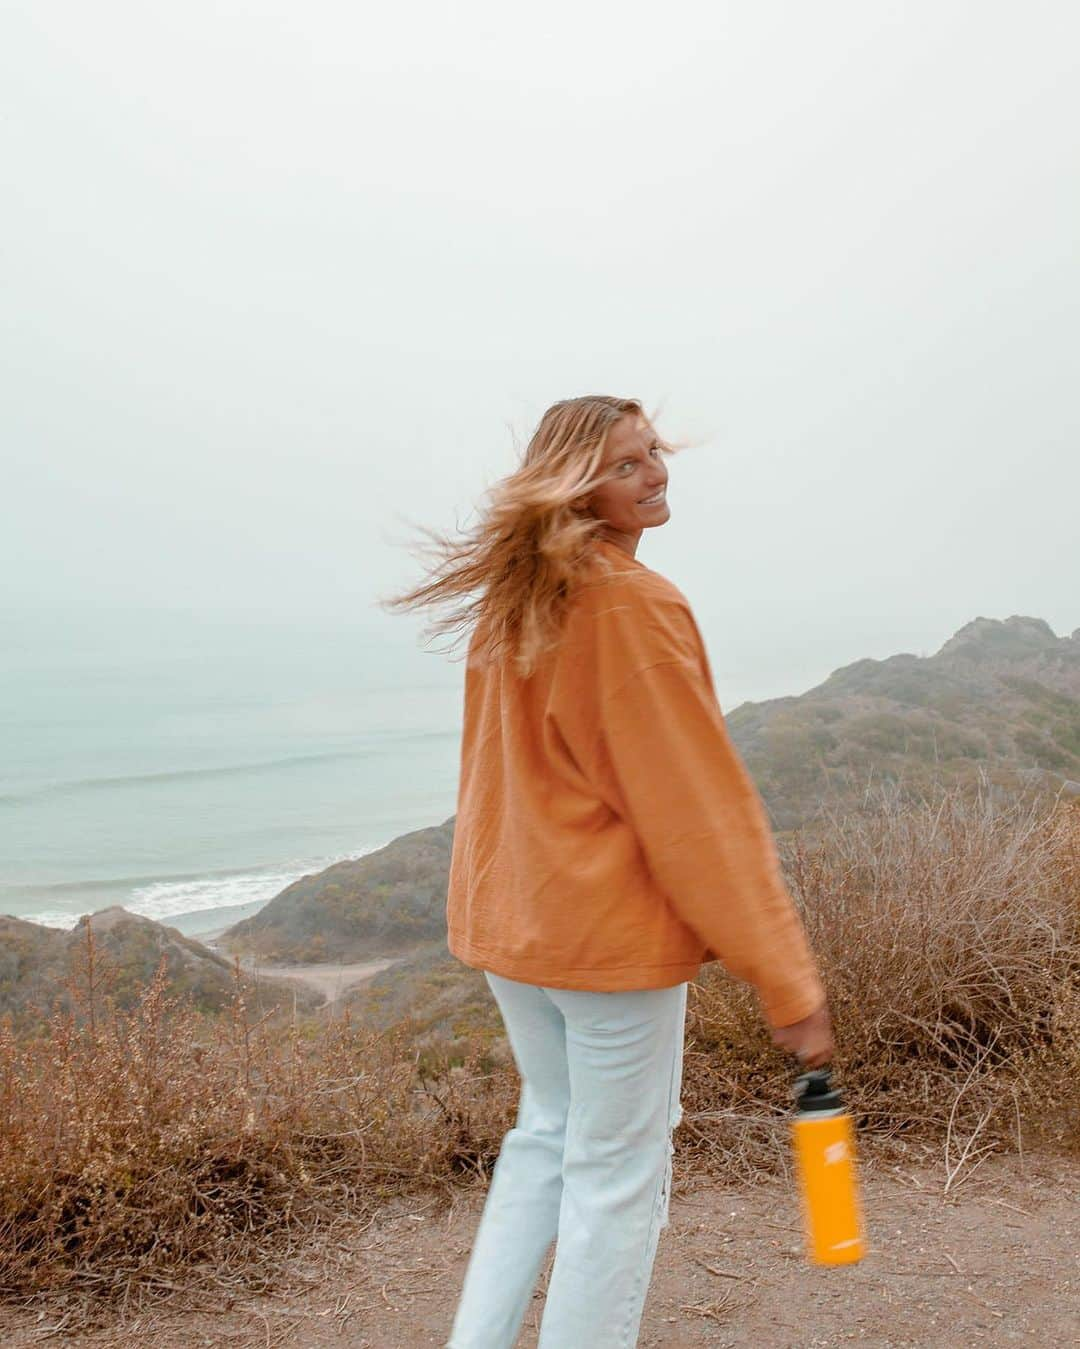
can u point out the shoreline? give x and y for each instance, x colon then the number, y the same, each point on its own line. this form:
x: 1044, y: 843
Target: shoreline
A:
x: 245, y: 893
x: 204, y: 925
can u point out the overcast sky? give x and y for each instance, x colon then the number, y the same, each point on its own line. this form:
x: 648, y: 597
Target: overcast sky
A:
x: 281, y: 277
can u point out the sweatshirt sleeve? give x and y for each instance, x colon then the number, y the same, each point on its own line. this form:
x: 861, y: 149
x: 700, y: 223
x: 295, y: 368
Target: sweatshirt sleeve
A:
x: 702, y: 824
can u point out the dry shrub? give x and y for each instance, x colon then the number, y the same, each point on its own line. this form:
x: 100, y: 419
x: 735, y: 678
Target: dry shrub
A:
x: 146, y: 1150
x: 152, y: 1150
x: 948, y: 932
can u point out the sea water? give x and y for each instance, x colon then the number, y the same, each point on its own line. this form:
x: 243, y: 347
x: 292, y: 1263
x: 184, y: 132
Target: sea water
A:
x: 190, y: 766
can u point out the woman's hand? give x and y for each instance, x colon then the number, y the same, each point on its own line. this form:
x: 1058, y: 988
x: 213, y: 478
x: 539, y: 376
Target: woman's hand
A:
x: 810, y: 1039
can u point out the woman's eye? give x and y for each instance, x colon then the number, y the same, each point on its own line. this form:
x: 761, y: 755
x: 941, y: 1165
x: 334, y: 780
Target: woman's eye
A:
x: 629, y: 462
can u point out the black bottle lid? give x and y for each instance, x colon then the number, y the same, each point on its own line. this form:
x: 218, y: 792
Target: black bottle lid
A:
x: 814, y: 1095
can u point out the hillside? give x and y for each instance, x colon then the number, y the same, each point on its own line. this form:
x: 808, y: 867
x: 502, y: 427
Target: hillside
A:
x: 145, y: 1161
x: 383, y: 904
x: 443, y: 1000
x: 1000, y: 699
x: 37, y: 963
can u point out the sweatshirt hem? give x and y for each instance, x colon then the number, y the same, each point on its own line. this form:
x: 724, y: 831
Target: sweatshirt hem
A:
x: 596, y: 979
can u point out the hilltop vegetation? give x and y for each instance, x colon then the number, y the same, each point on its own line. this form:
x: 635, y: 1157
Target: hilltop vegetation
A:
x: 40, y: 965
x: 388, y: 902
x: 447, y: 1005
x: 1000, y: 702
x: 153, y: 1147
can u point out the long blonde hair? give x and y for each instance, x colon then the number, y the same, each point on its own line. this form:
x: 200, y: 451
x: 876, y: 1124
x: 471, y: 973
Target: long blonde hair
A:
x: 530, y: 548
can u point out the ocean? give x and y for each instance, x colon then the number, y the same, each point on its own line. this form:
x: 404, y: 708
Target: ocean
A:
x: 189, y: 766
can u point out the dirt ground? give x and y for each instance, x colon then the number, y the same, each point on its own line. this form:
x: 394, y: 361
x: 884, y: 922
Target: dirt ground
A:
x: 996, y: 1262
x: 327, y: 978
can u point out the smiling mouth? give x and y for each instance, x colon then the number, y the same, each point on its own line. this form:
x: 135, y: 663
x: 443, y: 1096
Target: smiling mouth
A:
x: 654, y: 500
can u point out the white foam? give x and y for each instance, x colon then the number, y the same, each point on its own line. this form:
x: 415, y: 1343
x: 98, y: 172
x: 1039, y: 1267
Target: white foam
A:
x: 162, y: 900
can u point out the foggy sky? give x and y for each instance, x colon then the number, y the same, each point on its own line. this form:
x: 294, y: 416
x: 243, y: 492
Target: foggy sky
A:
x: 281, y: 278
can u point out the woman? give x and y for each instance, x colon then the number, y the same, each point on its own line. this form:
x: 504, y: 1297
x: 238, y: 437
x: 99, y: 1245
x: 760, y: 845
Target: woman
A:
x: 608, y: 843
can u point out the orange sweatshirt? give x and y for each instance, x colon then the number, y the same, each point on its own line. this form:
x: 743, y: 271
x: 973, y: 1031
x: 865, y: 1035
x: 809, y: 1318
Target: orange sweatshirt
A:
x: 608, y: 836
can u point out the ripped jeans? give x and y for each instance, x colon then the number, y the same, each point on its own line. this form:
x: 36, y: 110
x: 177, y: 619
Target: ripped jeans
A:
x: 587, y: 1164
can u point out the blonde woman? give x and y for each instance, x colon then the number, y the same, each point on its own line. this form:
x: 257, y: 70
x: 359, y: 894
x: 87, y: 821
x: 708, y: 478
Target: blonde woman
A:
x: 608, y: 843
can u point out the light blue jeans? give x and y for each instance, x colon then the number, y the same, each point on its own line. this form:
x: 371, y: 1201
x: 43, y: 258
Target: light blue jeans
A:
x: 587, y: 1164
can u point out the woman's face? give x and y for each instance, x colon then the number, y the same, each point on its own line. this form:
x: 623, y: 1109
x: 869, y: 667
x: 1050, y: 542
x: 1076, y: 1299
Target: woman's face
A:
x: 635, y: 470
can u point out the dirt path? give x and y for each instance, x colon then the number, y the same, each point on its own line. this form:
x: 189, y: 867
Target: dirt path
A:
x: 994, y: 1264
x: 329, y: 979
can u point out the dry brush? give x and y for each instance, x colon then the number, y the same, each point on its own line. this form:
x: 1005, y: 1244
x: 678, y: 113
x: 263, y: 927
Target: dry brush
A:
x: 147, y: 1150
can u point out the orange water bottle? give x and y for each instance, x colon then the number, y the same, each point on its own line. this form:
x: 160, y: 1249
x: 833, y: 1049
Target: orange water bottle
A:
x: 825, y: 1160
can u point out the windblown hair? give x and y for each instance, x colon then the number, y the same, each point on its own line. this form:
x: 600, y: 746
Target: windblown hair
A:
x: 531, y: 547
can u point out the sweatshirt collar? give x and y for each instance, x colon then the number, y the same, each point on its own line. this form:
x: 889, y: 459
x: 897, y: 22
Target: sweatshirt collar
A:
x: 620, y: 554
